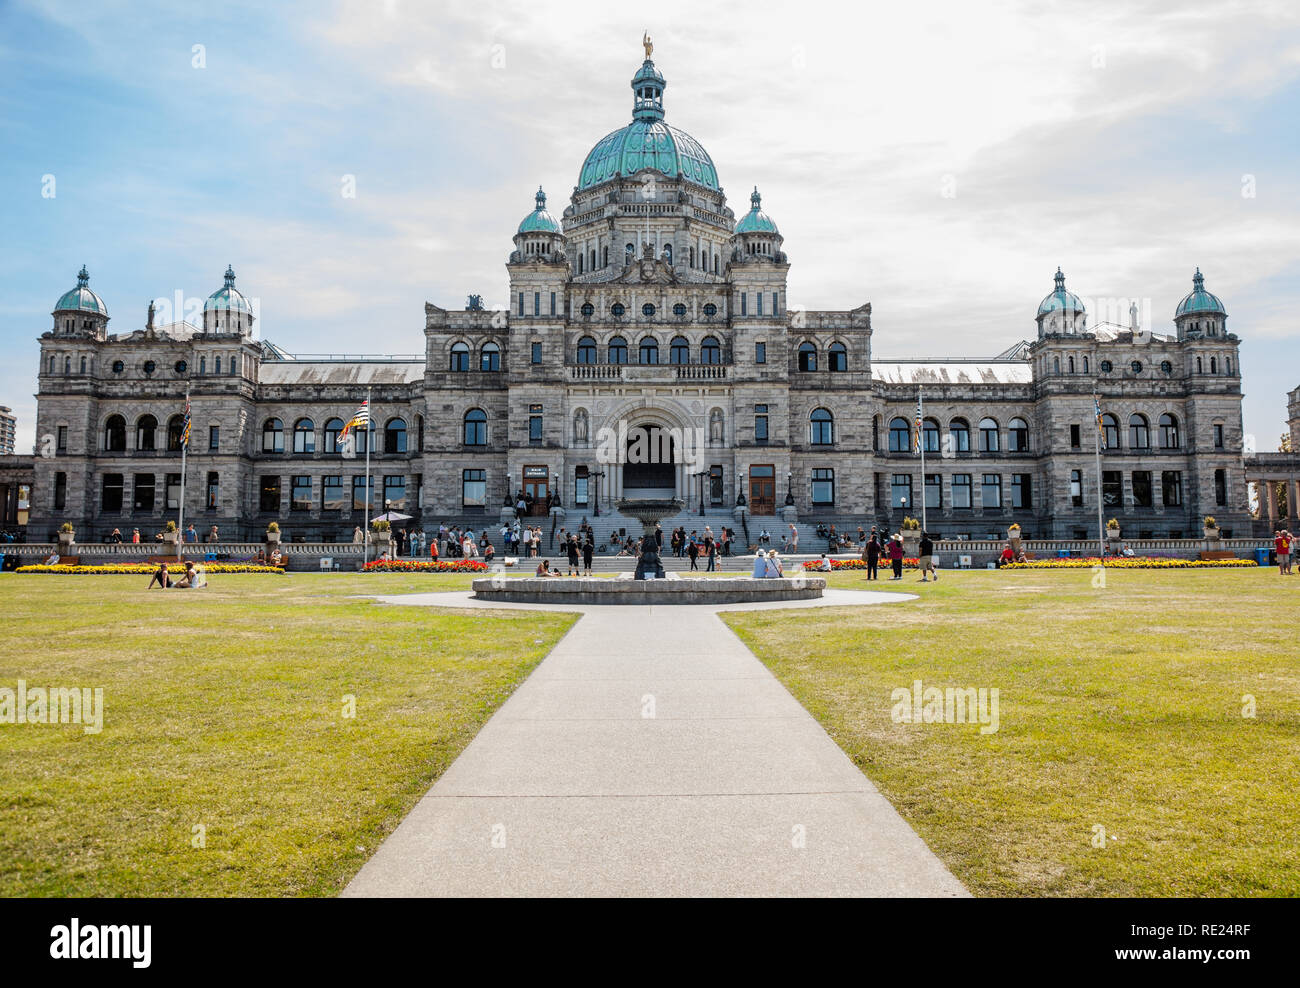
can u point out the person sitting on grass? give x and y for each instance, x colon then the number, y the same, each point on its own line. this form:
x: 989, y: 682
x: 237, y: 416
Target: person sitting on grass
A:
x: 822, y: 565
x: 161, y: 578
x: 1007, y: 556
x: 545, y: 569
x: 191, y: 579
x: 488, y: 552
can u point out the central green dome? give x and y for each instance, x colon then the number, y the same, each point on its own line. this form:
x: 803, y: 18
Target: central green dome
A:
x: 648, y: 142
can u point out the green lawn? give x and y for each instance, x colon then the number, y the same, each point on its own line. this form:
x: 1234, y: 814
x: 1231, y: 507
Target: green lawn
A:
x: 1120, y: 707
x: 225, y: 708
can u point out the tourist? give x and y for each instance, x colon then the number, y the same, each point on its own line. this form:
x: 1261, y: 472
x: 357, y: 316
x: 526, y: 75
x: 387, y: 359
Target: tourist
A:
x: 433, y: 549
x: 794, y: 539
x: 926, y: 563
x: 212, y: 535
x: 896, y: 556
x: 710, y: 553
x: 1124, y: 550
x: 188, y: 578
x: 871, y: 555
x: 760, y: 565
x: 822, y: 565
x: 1007, y: 556
x: 277, y: 557
x: 135, y: 536
x: 357, y: 536
x: 573, y: 551
x: 190, y: 534
x: 260, y: 558
x: 160, y: 577
x: 588, y: 550
x: 693, y: 551
x: 1282, y: 549
x: 1290, y: 541
x: 116, y: 537
x: 774, y: 569
x: 488, y: 552
x: 659, y: 537
x: 545, y: 569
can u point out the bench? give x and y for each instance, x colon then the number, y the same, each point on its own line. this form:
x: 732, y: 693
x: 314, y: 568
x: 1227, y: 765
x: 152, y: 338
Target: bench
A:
x: 1216, y: 554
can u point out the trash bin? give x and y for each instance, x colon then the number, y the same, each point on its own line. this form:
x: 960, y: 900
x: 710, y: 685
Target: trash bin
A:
x: 1262, y: 557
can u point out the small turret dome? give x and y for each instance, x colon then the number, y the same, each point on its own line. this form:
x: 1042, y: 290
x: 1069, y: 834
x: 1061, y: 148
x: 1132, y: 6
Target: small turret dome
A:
x: 81, y: 298
x: 756, y: 221
x: 228, y: 298
x: 1060, y: 300
x: 539, y: 220
x: 1199, y: 300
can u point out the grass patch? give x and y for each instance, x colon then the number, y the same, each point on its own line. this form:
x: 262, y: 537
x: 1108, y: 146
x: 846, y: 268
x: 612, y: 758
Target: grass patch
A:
x: 1120, y: 707
x: 224, y: 708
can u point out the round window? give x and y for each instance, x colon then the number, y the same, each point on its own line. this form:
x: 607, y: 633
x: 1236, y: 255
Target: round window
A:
x: 118, y: 367
x: 710, y: 310
x: 679, y: 309
x: 181, y: 366
x: 1136, y: 367
x: 588, y: 309
x: 150, y: 367
x: 1107, y: 367
x: 648, y: 309
x: 617, y: 309
x: 1166, y: 366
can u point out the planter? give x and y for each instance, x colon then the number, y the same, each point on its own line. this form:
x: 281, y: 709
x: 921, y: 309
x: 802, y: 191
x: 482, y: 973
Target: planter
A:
x: 911, y: 544
x: 272, y: 538
x: 1211, y: 534
x: 1013, y: 536
x: 67, y: 540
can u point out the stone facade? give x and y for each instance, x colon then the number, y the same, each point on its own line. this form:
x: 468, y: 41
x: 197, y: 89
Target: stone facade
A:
x: 646, y: 305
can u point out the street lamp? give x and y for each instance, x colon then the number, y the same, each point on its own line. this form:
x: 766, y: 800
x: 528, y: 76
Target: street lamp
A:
x: 701, y: 475
x: 789, y: 489
x: 596, y: 475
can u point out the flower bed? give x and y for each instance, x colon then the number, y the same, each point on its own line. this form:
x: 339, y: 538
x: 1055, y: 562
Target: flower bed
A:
x: 426, y: 566
x: 885, y: 563
x: 146, y: 569
x: 1134, y: 562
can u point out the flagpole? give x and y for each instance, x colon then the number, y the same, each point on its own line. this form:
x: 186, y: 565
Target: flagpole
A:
x: 365, y: 532
x: 180, y: 517
x: 1101, y: 527
x: 920, y: 425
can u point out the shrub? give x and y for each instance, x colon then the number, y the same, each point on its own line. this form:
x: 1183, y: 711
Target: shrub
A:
x: 1210, y: 522
x: 66, y: 527
x: 170, y: 527
x: 1013, y: 527
x: 381, y: 526
x: 273, y: 527
x: 426, y: 566
x: 911, y: 524
x: 1113, y: 523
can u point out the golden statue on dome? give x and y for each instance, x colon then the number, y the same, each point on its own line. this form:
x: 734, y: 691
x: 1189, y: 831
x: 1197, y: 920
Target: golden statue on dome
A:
x: 649, y: 45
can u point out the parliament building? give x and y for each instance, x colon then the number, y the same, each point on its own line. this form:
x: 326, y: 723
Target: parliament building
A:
x: 645, y: 304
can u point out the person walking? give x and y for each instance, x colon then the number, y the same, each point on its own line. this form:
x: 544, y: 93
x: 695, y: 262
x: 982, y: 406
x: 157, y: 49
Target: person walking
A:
x: 794, y: 540
x: 896, y: 556
x: 871, y: 554
x: 588, y: 549
x: 926, y: 562
x: 693, y: 551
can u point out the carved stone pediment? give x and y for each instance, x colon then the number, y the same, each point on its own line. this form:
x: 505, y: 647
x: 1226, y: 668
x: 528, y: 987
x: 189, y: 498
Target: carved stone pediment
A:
x: 647, y: 271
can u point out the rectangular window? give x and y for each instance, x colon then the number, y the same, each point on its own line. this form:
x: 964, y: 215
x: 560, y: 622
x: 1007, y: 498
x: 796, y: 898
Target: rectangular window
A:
x: 961, y: 493
x: 823, y: 486
x: 63, y: 439
x: 536, y: 353
x: 419, y: 491
x: 1142, y: 488
x: 214, y: 437
x: 535, y: 424
x: 1076, y: 488
x: 580, y: 484
x: 300, y: 493
x: 394, y: 493
x: 1218, y: 435
x: 144, y: 491
x: 1220, y: 487
x: 331, y: 494
x: 173, y: 491
x: 214, y: 490
x: 744, y: 303
x: 715, y: 485
x: 359, y: 493
x: 473, y: 488
x: 933, y: 490
x: 991, y: 491
x: 1112, y: 488
x: 758, y: 302
x: 760, y: 353
x: 1022, y: 491
x: 270, y: 497
x: 760, y: 423
x: 552, y: 303
x: 521, y: 303
x: 776, y: 308
x: 111, y: 499
x: 537, y: 303
x: 900, y: 489
x: 1075, y: 439
x: 1171, y: 488
x: 60, y: 491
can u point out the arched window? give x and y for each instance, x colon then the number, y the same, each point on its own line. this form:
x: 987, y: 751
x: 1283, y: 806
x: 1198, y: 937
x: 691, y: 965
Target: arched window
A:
x: 333, y: 429
x: 145, y: 430
x: 476, y: 427
x: 489, y: 358
x: 273, y: 436
x: 83, y: 365
x: 304, y: 436
x: 593, y: 259
x: 988, y: 435
x: 203, y: 365
x: 604, y: 257
x: 900, y: 435
x: 1018, y: 435
x: 580, y: 259
x: 822, y: 427
x: 679, y: 351
x: 710, y: 350
x: 175, y: 427
x: 51, y: 363
x: 1139, y: 433
x: 216, y: 364
x: 460, y: 357
x: 1071, y: 365
x: 115, y: 434
x: 838, y: 357
x: 67, y: 365
x: 395, y: 436
x: 930, y: 432
x: 618, y: 350
x: 1214, y: 365
x: 1056, y: 365
x: 649, y: 350
x: 586, y: 350
x: 807, y: 356
x: 1198, y: 365
x: 1110, y: 430
x: 668, y: 254
x: 692, y: 257
x: 629, y: 253
x: 1168, y: 431
x: 959, y: 435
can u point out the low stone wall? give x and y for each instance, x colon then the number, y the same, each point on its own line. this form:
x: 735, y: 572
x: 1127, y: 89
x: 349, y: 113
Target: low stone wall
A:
x: 699, y: 590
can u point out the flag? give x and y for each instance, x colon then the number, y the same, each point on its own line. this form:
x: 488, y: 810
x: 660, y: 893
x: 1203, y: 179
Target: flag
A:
x: 361, y: 420
x: 1101, y: 426
x: 185, y: 426
x: 916, y: 432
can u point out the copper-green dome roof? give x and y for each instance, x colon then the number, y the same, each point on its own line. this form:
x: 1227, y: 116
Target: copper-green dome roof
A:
x: 228, y: 297
x: 648, y: 142
x: 1060, y: 300
x: 81, y: 298
x: 756, y: 221
x: 1199, y: 300
x: 539, y: 220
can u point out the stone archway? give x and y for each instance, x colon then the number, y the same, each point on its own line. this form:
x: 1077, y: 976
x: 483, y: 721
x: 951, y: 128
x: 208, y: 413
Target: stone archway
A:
x: 665, y: 435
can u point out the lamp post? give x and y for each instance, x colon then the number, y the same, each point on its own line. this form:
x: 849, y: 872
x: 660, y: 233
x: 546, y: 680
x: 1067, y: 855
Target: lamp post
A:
x: 701, y: 475
x: 789, y: 488
x: 596, y: 475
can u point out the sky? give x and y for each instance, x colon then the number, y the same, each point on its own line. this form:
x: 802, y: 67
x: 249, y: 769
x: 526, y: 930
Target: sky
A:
x: 937, y: 160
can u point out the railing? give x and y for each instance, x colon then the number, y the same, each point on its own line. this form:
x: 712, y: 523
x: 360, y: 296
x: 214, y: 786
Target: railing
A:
x: 587, y: 371
x: 693, y: 371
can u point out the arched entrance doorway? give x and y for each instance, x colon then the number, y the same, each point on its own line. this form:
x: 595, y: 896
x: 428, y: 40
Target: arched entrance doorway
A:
x: 650, y: 462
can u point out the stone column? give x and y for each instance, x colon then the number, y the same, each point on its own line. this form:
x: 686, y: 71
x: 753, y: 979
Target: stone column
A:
x: 1271, y: 498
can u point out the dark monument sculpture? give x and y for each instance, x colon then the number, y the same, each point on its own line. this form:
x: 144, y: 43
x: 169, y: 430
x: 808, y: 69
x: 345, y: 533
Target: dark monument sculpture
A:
x: 649, y: 512
x: 649, y: 560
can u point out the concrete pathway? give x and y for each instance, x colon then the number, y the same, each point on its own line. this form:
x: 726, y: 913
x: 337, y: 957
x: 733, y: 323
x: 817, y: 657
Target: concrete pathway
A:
x: 652, y: 754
